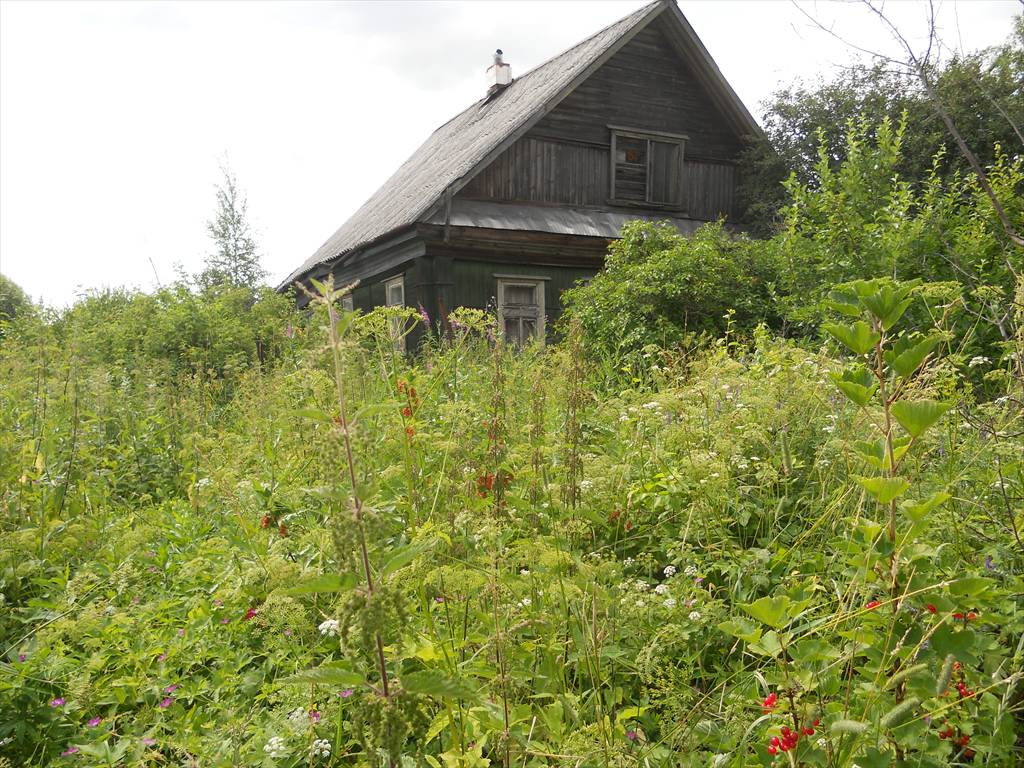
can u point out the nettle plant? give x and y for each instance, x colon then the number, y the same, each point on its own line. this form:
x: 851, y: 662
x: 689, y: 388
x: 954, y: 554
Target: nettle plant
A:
x: 907, y: 667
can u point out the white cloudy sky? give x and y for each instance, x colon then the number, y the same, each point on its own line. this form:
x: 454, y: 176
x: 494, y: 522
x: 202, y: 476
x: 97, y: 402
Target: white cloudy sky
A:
x: 114, y: 116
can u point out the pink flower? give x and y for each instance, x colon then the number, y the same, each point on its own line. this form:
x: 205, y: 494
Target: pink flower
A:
x: 225, y: 620
x: 181, y: 633
x: 94, y: 722
x: 58, y: 702
x: 314, y: 716
x: 631, y: 735
x: 162, y: 657
x: 171, y: 688
x: 166, y: 703
x: 69, y: 751
x: 148, y: 741
x: 22, y: 657
x: 251, y: 613
x: 346, y: 693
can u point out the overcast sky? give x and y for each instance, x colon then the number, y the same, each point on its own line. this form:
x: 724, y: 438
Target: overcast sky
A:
x: 114, y: 117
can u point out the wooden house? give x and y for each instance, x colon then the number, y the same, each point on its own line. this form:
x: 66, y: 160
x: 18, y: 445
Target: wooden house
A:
x: 517, y: 198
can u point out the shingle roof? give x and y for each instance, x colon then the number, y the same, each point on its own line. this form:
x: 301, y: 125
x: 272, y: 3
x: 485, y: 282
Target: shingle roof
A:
x: 458, y: 146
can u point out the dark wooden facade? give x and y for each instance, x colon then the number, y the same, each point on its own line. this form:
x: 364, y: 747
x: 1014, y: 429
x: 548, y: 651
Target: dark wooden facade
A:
x: 545, y: 203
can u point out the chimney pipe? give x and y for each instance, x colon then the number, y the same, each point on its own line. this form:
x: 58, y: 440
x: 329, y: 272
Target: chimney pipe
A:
x: 499, y: 74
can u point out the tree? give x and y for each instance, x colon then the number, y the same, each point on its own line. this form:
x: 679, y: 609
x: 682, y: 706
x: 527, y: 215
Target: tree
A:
x: 236, y: 260
x: 13, y: 300
x: 980, y: 92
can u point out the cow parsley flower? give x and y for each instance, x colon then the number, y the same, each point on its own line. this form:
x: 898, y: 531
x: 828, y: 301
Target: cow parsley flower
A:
x: 694, y: 616
x: 321, y: 748
x: 297, y: 717
x: 525, y: 602
x: 690, y: 570
x: 330, y: 627
x: 275, y: 748
x: 670, y: 602
x: 670, y: 571
x: 661, y: 589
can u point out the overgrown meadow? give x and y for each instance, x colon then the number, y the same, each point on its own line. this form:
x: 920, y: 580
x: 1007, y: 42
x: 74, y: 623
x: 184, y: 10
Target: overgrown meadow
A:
x: 758, y: 554
x: 234, y: 534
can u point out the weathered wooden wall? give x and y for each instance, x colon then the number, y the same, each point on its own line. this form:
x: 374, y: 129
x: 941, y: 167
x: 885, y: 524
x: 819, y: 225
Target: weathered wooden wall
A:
x: 564, y: 159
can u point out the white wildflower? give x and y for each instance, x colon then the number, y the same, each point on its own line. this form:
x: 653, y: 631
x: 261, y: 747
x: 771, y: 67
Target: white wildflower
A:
x: 321, y: 748
x: 640, y: 603
x: 690, y: 570
x: 297, y: 717
x: 670, y: 602
x: 715, y: 474
x: 624, y: 417
x: 524, y: 572
x: 694, y: 616
x: 586, y: 485
x: 275, y: 747
x: 331, y: 627
x: 830, y: 428
x: 652, y: 406
x: 641, y: 585
x: 979, y: 360
x: 670, y: 571
x: 525, y: 602
x: 822, y: 743
x: 628, y: 562
x: 661, y: 589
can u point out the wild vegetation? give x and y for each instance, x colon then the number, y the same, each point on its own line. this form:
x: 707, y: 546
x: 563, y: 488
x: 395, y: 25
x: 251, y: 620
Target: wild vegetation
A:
x: 782, y: 528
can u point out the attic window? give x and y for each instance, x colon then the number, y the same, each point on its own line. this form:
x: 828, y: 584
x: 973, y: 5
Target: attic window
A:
x: 646, y: 168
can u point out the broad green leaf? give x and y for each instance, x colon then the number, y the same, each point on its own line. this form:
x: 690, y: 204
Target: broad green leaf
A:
x: 917, y: 511
x: 773, y: 611
x: 742, y: 628
x: 312, y: 414
x: 888, y: 301
x: 969, y: 586
x: 327, y: 674
x: 433, y: 682
x: 916, y: 416
x: 873, y: 453
x: 859, y: 337
x: 883, y: 489
x: 439, y: 724
x: 906, y: 362
x: 631, y: 712
x: 328, y: 582
x: 406, y: 555
x: 857, y: 383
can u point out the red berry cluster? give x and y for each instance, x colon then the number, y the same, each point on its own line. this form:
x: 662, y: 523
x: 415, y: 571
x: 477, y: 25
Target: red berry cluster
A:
x: 789, y: 738
x: 269, y: 520
x: 961, y: 684
x: 965, y: 617
x: 961, y: 741
x: 412, y: 402
x: 769, y: 702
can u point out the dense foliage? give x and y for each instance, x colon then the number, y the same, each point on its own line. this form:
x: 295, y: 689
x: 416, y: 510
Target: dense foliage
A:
x: 758, y: 553
x: 982, y: 91
x: 857, y: 220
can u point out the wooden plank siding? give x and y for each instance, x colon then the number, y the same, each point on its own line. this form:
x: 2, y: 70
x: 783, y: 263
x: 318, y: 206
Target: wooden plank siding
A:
x: 564, y: 159
x: 544, y: 171
x: 645, y: 86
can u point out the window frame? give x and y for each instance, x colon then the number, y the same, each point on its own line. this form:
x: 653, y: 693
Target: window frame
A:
x: 397, y: 330
x: 677, y: 139
x: 539, y: 288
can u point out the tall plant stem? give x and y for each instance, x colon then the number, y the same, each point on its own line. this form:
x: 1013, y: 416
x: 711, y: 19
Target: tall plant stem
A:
x: 357, y: 502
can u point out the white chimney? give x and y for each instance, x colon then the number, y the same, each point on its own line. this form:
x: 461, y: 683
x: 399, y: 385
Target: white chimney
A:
x: 499, y: 74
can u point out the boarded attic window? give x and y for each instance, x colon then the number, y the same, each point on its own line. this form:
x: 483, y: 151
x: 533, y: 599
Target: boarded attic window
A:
x: 647, y: 168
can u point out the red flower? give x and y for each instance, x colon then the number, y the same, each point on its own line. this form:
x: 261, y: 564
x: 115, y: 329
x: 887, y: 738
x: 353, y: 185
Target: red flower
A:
x: 409, y: 432
x: 282, y: 530
x: 251, y: 613
x: 872, y: 605
x: 407, y: 412
x: 629, y: 525
x: 265, y: 521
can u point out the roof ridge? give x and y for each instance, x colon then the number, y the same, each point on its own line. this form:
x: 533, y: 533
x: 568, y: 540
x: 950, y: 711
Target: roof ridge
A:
x: 457, y: 147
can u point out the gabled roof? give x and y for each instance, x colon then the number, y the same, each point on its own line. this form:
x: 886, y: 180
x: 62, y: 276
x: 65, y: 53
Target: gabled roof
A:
x: 470, y: 141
